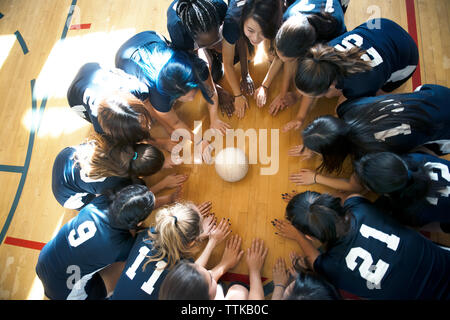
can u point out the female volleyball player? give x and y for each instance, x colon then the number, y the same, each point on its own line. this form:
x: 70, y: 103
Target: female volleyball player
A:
x: 196, y: 26
x: 397, y: 123
x: 170, y: 75
x: 366, y: 252
x: 84, y: 259
x: 376, y: 57
x: 177, y: 234
x: 304, y: 24
x: 247, y: 24
x: 192, y: 281
x: 80, y: 173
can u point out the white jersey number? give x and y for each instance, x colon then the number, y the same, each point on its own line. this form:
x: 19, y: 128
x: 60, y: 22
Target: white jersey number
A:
x: 353, y: 40
x: 445, y: 174
x: 372, y: 273
x: 305, y: 6
x: 147, y: 286
x: 85, y: 231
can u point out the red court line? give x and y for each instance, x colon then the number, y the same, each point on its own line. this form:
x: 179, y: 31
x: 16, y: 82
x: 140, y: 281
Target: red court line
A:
x: 80, y: 26
x: 39, y: 245
x: 238, y: 277
x: 24, y: 243
x: 412, y: 30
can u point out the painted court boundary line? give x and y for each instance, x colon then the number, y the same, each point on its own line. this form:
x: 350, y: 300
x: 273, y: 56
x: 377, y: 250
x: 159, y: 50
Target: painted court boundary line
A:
x: 412, y: 30
x: 24, y: 170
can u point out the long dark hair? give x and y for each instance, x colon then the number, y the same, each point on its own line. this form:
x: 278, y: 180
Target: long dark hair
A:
x: 198, y: 16
x: 312, y: 286
x: 184, y: 282
x: 130, y: 205
x: 267, y: 13
x: 172, y: 72
x: 354, y: 135
x: 322, y: 65
x: 318, y: 215
x: 101, y: 157
x: 405, y: 184
x: 124, y: 118
x: 300, y: 32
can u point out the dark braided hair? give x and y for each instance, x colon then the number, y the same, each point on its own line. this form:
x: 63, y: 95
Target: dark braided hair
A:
x: 198, y: 15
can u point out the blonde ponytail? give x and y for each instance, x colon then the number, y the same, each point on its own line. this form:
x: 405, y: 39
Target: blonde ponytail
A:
x: 177, y: 229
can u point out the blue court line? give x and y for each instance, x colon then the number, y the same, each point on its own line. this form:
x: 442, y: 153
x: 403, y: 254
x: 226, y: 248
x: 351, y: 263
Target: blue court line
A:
x: 6, y: 168
x: 26, y: 167
x: 33, y: 131
x: 21, y: 42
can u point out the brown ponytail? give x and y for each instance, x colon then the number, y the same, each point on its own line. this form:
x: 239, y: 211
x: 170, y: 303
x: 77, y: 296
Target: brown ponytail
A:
x: 101, y: 157
x: 323, y: 65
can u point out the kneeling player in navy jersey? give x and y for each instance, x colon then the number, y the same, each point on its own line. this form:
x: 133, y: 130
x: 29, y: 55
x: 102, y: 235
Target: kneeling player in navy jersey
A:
x: 196, y: 26
x: 191, y: 281
x: 305, y: 23
x: 116, y: 104
x: 170, y: 75
x: 80, y: 173
x: 82, y: 261
x: 398, y: 123
x: 178, y: 231
x: 306, y: 285
x: 366, y: 252
x: 247, y: 24
x: 375, y: 58
x: 415, y: 187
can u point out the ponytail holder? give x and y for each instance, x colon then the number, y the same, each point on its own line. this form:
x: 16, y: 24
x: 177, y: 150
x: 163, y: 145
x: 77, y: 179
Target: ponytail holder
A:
x: 175, y: 218
x: 135, y: 155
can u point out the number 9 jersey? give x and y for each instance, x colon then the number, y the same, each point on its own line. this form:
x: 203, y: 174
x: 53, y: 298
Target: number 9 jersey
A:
x: 84, y: 245
x: 381, y: 259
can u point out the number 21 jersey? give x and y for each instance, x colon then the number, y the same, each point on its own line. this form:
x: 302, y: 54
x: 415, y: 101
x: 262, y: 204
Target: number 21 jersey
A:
x: 381, y: 259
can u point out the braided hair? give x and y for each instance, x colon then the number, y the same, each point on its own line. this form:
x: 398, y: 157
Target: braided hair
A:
x: 198, y: 16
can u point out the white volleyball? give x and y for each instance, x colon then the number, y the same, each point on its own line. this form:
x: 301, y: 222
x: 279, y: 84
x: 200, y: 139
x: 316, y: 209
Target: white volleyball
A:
x: 231, y: 164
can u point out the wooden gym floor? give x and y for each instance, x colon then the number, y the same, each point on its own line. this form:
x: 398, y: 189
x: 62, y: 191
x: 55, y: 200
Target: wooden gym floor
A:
x: 43, y: 44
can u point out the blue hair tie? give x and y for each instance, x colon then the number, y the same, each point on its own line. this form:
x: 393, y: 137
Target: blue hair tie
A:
x: 135, y: 155
x: 175, y: 218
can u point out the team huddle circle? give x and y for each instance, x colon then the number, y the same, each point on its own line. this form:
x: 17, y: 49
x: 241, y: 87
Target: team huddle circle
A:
x: 396, y: 142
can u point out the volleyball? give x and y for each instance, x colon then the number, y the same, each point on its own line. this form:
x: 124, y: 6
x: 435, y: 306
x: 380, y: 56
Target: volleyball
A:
x: 231, y: 164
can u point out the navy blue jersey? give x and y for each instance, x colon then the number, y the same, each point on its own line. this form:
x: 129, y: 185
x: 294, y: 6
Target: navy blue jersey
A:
x: 127, y: 57
x: 83, y: 246
x: 92, y: 83
x: 393, y: 54
x: 179, y: 35
x: 403, y: 138
x: 137, y: 283
x: 436, y: 206
x: 71, y: 186
x: 231, y: 25
x: 332, y: 7
x: 381, y: 259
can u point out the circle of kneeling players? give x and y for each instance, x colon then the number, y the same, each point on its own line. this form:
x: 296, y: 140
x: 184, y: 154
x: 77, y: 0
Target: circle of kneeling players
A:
x: 372, y: 250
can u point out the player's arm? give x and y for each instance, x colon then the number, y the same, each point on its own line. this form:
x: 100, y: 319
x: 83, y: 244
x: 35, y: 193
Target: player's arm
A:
x: 240, y: 101
x: 287, y: 230
x: 308, y: 177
